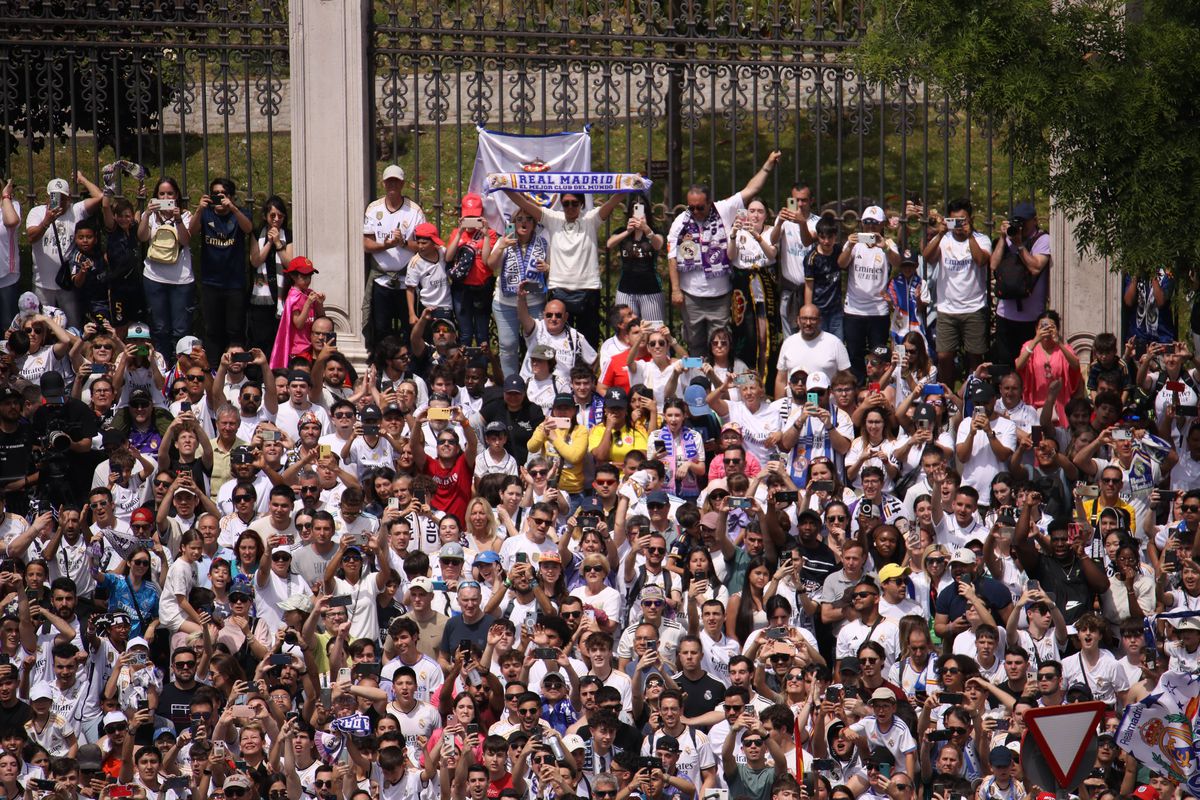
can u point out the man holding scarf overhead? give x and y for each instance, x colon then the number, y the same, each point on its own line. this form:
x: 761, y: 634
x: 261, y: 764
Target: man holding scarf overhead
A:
x: 697, y: 246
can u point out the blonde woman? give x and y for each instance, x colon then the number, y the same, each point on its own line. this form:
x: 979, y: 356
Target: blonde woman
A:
x: 596, y: 594
x: 483, y: 532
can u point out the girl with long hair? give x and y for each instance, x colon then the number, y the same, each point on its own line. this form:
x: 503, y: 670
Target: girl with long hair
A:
x: 755, y: 298
x: 270, y: 253
x: 640, y: 244
x: 747, y: 609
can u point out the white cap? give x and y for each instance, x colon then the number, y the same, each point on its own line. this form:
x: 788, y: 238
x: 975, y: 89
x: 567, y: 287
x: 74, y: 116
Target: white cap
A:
x: 114, y: 718
x: 58, y: 186
x: 28, y: 304
x: 1187, y: 624
x: 137, y: 641
x: 422, y: 583
x: 817, y: 380
x: 41, y: 691
x: 573, y: 741
x: 297, y: 602
x: 963, y: 556
x: 873, y: 212
x: 395, y: 171
x: 185, y: 345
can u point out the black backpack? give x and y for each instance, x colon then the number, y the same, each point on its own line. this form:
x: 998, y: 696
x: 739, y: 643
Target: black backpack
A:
x: 1013, y: 280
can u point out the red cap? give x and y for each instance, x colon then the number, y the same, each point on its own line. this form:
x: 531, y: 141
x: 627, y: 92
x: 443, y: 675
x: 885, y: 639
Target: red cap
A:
x: 142, y: 515
x: 300, y: 264
x: 1146, y: 792
x: 472, y: 205
x: 427, y: 230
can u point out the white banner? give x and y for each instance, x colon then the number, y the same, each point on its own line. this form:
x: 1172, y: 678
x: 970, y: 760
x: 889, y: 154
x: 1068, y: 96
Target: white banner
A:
x: 1159, y: 730
x: 561, y: 182
x: 506, y: 152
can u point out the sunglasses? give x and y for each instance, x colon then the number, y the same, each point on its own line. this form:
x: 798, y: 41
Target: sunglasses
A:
x: 528, y: 712
x: 952, y: 671
x: 141, y: 562
x: 861, y: 595
x: 752, y: 742
x: 956, y: 731
x: 243, y: 498
x: 541, y: 523
x: 1191, y: 509
x: 185, y: 664
x: 553, y: 314
x: 592, y: 568
x: 280, y: 557
x: 571, y: 203
x: 652, y: 603
x: 194, y: 378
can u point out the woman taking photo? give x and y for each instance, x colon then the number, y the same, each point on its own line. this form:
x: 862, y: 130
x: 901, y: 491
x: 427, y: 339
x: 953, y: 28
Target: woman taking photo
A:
x: 916, y: 372
x: 680, y: 449
x: 1045, y: 359
x: 167, y: 277
x: 270, y: 253
x: 874, y: 447
x: 132, y: 589
x: 519, y: 257
x: 92, y: 358
x: 561, y: 439
x: 612, y: 441
x: 722, y: 359
x: 639, y: 287
x: 596, y: 594
x: 755, y: 297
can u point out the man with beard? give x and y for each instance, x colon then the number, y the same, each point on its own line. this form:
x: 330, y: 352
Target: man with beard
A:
x: 1070, y: 578
x: 519, y: 415
x: 254, y: 406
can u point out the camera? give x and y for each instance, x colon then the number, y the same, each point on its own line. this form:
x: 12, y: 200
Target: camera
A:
x: 1015, y: 226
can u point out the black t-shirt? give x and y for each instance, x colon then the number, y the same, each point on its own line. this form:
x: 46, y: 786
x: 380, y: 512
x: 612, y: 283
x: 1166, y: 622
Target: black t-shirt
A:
x: 638, y: 262
x: 826, y: 277
x: 175, y: 704
x: 459, y: 630
x: 819, y: 563
x: 521, y: 424
x: 223, y: 255
x: 15, y: 461
x: 700, y: 696
x: 15, y: 716
x: 1064, y: 583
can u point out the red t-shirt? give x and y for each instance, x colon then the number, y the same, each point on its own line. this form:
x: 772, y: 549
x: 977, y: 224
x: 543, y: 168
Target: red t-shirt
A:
x: 617, y: 373
x: 453, y: 486
x: 496, y: 787
x: 480, y: 273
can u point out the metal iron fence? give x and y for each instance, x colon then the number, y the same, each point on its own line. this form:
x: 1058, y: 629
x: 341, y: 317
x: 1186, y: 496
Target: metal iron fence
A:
x: 682, y: 90
x: 190, y: 88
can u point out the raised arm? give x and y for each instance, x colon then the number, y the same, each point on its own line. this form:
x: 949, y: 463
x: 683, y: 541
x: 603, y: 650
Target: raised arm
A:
x: 758, y: 181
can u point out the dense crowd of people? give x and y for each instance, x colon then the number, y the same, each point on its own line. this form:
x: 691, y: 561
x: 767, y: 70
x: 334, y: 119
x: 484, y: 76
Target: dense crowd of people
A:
x: 829, y: 538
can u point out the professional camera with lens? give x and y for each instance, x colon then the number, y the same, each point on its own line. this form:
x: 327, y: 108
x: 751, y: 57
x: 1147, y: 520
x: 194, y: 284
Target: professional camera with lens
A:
x: 1015, y: 226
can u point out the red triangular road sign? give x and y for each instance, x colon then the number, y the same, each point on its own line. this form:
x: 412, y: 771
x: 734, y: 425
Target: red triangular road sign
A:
x: 1063, y: 733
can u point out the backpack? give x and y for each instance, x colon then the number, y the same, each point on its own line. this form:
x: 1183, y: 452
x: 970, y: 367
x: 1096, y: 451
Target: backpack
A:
x: 1013, y: 280
x: 464, y: 261
x: 164, y: 245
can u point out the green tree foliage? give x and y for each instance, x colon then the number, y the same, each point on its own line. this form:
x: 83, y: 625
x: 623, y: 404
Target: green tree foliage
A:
x: 1096, y: 100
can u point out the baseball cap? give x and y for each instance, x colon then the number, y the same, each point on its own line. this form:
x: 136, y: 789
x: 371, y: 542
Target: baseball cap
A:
x: 138, y: 330
x: 591, y: 505
x: 1187, y: 624
x: 616, y: 397
x: 564, y: 400
x: 89, y: 758
x: 963, y: 556
x: 1024, y: 211
x: 496, y: 426
x: 165, y: 730
x: 883, y: 695
x: 657, y: 497
x: 553, y: 676
x: 808, y: 515
x: 881, y: 755
x: 41, y: 691
x: 542, y: 352
x: 873, y: 213
x: 422, y: 583
x: 142, y: 515
x: 514, y: 383
x: 58, y: 186
x: 299, y: 375
x: 114, y: 718
x: 850, y: 664
x: 53, y: 385
x: 393, y: 172
x: 908, y: 256
x: 372, y: 412
x: 1146, y: 792
x: 652, y: 593
x: 697, y: 400
x: 237, y: 781
x: 282, y: 549
x: 301, y: 265
x: 982, y: 393
x: 1000, y: 757
x: 472, y: 205
x: 444, y: 316
x: 817, y: 380
x: 9, y: 392
x: 427, y: 230
x: 297, y: 602
x: 667, y: 742
x: 573, y: 741
x: 889, y: 571
x: 732, y: 426
x: 241, y: 455
x: 138, y: 641
x: 487, y: 557
x: 452, y: 550
x: 710, y: 520
x: 184, y: 346
x: 551, y: 556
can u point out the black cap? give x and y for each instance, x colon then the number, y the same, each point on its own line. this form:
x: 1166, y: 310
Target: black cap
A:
x: 372, y: 412
x: 53, y: 385
x: 109, y: 437
x: 9, y: 392
x: 881, y: 755
x: 241, y: 455
x: 299, y: 375
x: 850, y: 664
x: 140, y: 395
x: 908, y: 256
x: 564, y: 399
x: 616, y: 397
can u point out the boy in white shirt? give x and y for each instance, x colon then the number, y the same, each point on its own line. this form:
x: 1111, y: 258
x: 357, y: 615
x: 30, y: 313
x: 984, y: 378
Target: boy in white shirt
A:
x: 495, y: 459
x: 426, y: 277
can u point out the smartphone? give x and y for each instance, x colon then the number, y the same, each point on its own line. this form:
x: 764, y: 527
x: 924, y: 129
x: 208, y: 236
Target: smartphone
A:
x: 932, y: 388
x: 1036, y: 434
x: 510, y: 230
x: 740, y: 502
x: 45, y: 785
x: 1033, y: 585
x: 339, y: 601
x: 394, y: 503
x: 279, y: 660
x: 327, y: 696
x: 167, y: 204
x: 953, y: 698
x: 751, y: 710
x: 744, y: 379
x: 1122, y: 435
x: 324, y: 451
x: 545, y: 653
x: 438, y: 414
x: 185, y: 406
x: 1006, y: 532
x: 812, y: 398
x: 522, y: 558
x: 242, y: 358
x: 54, y: 204
x: 472, y: 729
x: 639, y: 211
x: 850, y: 692
x: 1073, y: 532
x: 370, y: 430
x: 793, y: 204
x: 777, y: 634
x: 885, y: 770
x: 271, y: 436
x: 242, y: 712
x: 1002, y: 725
x: 177, y: 783
x: 440, y: 586
x: 822, y: 486
x: 343, y: 674
x: 693, y: 362
x: 786, y: 497
x: 824, y: 764
x: 833, y: 695
x: 1088, y: 491
x: 99, y: 369
x: 873, y: 386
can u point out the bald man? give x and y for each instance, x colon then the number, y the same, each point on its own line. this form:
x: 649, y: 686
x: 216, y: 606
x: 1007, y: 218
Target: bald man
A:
x: 811, y: 350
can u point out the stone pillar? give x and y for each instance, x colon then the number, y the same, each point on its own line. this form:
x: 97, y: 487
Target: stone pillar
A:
x: 1083, y: 289
x: 330, y: 158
